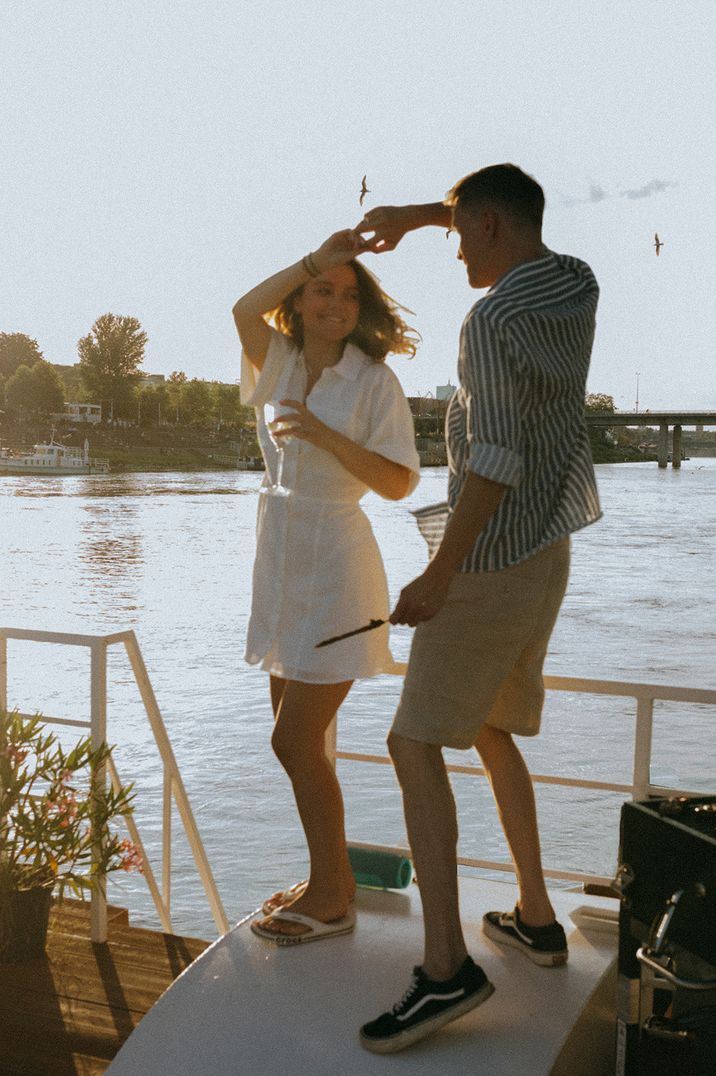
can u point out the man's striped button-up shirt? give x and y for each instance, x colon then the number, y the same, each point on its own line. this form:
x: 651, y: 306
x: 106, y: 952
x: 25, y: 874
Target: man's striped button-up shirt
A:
x: 518, y: 415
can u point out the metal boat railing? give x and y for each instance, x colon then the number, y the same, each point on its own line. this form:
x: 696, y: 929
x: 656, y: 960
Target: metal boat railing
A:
x: 173, y: 785
x: 641, y: 786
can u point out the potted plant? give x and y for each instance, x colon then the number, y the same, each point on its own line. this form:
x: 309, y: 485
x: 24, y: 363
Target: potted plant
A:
x: 55, y: 815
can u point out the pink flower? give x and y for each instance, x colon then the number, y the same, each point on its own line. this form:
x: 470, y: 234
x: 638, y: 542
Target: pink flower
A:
x: 132, y: 858
x: 65, y: 808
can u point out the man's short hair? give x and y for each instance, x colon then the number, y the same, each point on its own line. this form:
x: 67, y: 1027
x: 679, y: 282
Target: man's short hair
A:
x: 505, y: 185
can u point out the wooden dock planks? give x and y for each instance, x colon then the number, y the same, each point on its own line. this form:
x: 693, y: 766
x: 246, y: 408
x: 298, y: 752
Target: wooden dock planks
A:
x: 70, y: 1012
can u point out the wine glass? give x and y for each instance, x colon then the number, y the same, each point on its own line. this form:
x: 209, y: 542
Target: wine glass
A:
x: 273, y: 412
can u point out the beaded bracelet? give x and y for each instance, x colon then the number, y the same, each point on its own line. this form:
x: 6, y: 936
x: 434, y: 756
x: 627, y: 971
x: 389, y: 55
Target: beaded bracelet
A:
x: 309, y: 265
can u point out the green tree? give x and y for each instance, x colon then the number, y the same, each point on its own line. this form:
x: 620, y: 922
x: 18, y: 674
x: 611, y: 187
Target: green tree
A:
x: 110, y: 357
x: 153, y: 405
x: 161, y: 403
x: 16, y: 350
x: 599, y: 402
x: 175, y: 384
x: 35, y: 390
x: 49, y: 389
x: 196, y: 399
x: 19, y: 392
x: 227, y: 410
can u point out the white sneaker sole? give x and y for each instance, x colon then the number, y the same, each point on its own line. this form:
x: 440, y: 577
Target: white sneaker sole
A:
x: 545, y: 960
x: 421, y: 1031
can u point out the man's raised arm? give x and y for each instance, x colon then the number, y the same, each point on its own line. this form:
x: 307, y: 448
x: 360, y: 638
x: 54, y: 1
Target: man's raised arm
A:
x: 389, y: 223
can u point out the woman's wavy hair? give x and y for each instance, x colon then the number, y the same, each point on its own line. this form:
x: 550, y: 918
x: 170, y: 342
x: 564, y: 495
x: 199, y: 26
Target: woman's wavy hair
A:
x: 380, y: 330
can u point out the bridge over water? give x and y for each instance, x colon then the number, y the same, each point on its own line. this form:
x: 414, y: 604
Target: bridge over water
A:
x: 663, y: 419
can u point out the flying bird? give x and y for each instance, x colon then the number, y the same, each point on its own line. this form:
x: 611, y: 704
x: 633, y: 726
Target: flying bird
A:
x: 363, y: 191
x: 657, y: 243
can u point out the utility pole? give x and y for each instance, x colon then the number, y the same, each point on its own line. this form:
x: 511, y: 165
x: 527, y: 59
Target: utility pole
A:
x: 637, y: 393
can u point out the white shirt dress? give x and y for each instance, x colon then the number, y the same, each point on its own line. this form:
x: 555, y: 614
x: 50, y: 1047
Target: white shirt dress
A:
x: 318, y: 570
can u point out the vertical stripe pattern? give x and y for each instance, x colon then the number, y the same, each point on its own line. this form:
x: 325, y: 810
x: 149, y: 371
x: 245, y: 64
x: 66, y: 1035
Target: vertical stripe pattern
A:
x: 518, y: 415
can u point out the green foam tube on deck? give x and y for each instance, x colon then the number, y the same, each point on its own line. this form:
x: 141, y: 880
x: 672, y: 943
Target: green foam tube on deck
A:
x: 376, y: 869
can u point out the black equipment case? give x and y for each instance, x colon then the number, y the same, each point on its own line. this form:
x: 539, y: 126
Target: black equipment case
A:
x: 666, y: 1006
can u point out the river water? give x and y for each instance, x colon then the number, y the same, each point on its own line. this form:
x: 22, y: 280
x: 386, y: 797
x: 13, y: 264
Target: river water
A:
x: 170, y: 556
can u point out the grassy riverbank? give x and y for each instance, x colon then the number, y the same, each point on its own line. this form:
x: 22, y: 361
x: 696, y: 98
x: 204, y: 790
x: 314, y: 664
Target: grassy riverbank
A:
x: 620, y: 454
x: 164, y: 448
x: 142, y: 458
x: 178, y: 448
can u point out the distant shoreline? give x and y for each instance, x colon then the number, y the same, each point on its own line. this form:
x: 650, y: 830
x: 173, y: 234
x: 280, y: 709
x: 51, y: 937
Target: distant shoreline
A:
x: 171, y: 448
x: 149, y: 461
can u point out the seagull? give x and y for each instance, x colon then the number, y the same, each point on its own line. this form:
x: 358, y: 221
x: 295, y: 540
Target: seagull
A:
x: 363, y: 191
x: 657, y: 243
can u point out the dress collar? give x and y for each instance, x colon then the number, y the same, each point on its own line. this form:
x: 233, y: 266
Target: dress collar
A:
x: 350, y: 364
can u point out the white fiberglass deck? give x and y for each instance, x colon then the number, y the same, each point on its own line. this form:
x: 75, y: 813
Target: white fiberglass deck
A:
x: 247, y: 1006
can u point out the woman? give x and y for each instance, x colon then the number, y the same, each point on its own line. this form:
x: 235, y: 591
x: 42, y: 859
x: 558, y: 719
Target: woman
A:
x: 318, y: 571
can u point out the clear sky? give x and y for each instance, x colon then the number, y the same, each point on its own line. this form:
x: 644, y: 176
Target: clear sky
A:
x: 159, y: 157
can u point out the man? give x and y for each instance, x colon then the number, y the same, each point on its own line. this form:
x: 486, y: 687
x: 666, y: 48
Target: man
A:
x: 520, y: 482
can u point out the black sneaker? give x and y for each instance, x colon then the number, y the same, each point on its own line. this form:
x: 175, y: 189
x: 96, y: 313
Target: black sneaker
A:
x: 427, y: 1005
x: 546, y: 946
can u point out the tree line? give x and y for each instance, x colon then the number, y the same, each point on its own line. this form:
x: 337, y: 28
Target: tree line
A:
x: 110, y: 356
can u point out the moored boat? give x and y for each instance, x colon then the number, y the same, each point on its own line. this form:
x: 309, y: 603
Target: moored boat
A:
x: 250, y: 463
x: 52, y: 458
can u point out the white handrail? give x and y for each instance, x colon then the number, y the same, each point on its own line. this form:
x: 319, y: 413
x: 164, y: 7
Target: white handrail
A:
x: 173, y: 784
x: 641, y: 787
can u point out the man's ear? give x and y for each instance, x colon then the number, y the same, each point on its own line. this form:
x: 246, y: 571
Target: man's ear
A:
x: 490, y: 223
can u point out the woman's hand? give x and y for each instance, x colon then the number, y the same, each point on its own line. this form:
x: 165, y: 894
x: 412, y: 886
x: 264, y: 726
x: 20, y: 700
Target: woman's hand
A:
x: 338, y: 249
x: 388, y: 223
x: 384, y: 476
x: 303, y: 424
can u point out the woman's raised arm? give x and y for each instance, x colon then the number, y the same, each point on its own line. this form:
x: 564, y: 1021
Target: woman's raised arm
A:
x: 250, y: 309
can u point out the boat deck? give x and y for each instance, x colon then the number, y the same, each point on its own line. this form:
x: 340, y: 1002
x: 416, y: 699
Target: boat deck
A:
x: 248, y: 1006
x: 70, y: 1012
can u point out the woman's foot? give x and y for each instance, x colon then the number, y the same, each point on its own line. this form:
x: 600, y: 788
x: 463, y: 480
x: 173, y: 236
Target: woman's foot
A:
x: 322, y: 909
x: 283, y: 898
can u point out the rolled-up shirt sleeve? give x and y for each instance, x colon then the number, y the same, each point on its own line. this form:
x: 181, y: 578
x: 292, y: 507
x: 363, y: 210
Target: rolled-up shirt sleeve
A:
x: 493, y: 415
x: 392, y: 433
x: 258, y: 386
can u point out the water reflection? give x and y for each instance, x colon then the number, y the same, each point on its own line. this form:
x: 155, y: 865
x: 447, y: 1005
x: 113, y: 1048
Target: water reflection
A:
x: 110, y: 550
x: 139, y: 485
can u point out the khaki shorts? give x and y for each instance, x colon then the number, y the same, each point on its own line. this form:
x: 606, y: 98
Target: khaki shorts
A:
x: 480, y: 659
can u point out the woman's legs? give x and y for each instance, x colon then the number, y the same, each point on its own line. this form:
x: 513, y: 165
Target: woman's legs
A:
x: 303, y: 713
